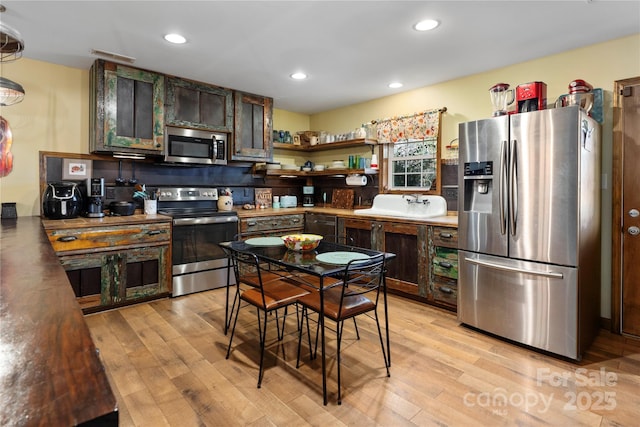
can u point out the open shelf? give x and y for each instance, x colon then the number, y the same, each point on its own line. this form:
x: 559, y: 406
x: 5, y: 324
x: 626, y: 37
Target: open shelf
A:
x: 327, y: 146
x: 326, y: 172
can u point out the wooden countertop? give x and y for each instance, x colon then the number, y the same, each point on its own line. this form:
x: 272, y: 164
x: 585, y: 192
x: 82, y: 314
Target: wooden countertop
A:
x: 450, y: 220
x: 446, y: 220
x: 82, y: 222
x: 50, y: 370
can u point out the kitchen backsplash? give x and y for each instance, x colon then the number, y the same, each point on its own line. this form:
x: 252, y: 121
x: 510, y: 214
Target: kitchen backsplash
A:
x: 239, y: 178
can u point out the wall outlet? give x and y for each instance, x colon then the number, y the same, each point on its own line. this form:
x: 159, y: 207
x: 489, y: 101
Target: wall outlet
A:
x: 110, y: 193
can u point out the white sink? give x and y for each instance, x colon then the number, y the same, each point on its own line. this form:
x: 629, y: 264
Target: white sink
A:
x: 406, y: 206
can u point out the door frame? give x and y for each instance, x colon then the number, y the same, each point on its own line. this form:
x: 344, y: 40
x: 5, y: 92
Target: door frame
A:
x: 617, y: 175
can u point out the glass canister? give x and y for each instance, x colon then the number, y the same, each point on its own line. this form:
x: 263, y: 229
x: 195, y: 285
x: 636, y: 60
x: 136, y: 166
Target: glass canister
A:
x: 371, y: 130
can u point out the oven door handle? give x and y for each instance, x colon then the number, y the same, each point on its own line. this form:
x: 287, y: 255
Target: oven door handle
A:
x: 205, y: 220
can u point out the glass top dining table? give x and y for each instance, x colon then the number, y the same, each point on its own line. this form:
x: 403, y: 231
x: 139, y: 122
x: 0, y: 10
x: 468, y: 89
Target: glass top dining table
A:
x: 327, y: 260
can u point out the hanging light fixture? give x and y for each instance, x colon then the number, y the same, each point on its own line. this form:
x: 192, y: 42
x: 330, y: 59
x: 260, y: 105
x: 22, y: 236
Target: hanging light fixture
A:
x: 11, y: 47
x: 11, y: 43
x: 10, y: 92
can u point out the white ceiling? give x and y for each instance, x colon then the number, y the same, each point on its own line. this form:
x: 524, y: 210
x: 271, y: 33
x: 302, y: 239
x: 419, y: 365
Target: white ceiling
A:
x: 351, y: 50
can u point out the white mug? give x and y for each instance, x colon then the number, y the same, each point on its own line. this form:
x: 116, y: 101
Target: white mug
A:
x: 314, y: 140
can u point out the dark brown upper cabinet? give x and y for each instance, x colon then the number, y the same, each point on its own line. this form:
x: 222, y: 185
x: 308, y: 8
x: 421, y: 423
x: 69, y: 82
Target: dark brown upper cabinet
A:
x: 252, y: 139
x: 198, y: 105
x: 126, y: 109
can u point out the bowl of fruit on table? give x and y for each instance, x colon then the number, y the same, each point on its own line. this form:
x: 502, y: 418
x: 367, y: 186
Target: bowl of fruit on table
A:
x: 301, y: 242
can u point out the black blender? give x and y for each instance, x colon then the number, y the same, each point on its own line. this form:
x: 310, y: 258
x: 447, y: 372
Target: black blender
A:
x: 95, y: 193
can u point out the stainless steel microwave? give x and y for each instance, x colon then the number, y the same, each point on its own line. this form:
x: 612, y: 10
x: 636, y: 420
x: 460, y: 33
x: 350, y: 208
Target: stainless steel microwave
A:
x: 195, y: 146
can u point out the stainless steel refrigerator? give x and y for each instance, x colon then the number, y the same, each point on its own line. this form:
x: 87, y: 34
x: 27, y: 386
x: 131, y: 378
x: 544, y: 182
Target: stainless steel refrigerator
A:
x: 529, y: 228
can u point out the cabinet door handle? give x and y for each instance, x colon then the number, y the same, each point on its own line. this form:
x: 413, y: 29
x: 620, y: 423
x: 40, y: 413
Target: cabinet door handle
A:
x: 296, y: 220
x: 67, y: 238
x: 445, y: 290
x: 446, y: 236
x: 154, y: 232
x: 445, y: 264
x: 251, y: 223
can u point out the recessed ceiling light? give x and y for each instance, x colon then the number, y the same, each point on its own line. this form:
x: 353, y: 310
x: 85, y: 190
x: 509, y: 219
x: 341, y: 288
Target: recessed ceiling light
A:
x: 298, y: 76
x: 175, y: 38
x: 395, y: 85
x: 426, y: 25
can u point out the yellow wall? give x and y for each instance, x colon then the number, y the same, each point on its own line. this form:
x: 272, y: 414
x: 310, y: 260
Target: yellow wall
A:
x: 468, y: 98
x: 54, y: 113
x: 292, y: 122
x: 54, y: 116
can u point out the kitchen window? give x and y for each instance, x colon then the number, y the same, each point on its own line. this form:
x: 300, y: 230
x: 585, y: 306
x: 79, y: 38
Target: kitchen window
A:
x: 411, y: 151
x: 413, y: 165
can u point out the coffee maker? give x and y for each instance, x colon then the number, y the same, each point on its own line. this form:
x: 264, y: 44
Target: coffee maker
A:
x: 307, y: 195
x: 95, y: 193
x: 531, y: 97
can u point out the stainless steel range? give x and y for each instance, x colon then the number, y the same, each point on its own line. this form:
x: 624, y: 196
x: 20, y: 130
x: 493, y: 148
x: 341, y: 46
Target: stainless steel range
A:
x: 199, y: 263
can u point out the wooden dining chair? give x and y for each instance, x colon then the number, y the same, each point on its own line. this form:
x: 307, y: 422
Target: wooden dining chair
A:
x: 249, y: 277
x: 357, y: 293
x: 268, y: 296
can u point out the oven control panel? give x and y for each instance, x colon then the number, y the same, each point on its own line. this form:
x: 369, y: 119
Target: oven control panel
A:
x: 187, y: 193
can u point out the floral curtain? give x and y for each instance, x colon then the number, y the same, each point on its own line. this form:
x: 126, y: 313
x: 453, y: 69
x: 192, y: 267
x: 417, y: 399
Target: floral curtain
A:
x: 418, y: 126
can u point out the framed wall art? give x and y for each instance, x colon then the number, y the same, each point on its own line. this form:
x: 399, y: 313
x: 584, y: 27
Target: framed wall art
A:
x: 76, y: 169
x: 263, y: 197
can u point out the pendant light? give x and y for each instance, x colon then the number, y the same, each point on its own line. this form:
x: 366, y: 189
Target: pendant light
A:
x: 11, y: 44
x: 10, y: 92
x: 11, y: 47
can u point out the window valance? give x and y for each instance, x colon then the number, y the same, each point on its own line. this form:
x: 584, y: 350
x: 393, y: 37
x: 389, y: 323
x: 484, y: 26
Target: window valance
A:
x: 418, y: 126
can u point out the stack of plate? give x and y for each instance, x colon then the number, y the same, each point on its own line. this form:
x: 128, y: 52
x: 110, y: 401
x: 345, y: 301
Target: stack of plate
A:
x: 337, y: 164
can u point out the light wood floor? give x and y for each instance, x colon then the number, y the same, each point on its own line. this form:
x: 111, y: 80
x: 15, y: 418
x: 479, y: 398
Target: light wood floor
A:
x: 166, y: 363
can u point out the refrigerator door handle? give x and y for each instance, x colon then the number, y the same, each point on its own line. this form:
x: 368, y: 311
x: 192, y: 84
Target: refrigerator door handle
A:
x: 551, y: 274
x: 513, y: 188
x: 502, y: 187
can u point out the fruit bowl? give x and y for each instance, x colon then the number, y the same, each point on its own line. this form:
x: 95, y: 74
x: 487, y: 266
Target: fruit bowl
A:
x: 301, y: 242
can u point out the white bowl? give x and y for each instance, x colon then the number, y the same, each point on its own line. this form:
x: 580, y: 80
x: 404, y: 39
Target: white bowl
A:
x: 318, y: 168
x: 338, y: 164
x: 290, y: 167
x: 306, y: 169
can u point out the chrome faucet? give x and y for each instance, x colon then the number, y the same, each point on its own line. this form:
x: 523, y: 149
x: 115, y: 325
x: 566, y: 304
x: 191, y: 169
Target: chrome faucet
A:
x: 415, y: 199
x: 411, y: 198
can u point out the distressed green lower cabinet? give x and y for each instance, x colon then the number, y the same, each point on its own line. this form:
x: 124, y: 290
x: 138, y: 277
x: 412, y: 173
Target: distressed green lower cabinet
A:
x: 443, y: 274
x: 115, y: 265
